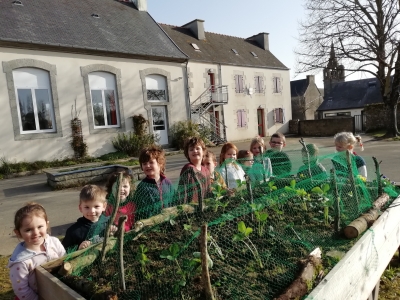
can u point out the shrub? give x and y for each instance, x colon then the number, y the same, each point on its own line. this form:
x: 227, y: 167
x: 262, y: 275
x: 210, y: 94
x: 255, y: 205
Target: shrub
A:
x: 113, y: 156
x: 181, y: 130
x: 131, y: 143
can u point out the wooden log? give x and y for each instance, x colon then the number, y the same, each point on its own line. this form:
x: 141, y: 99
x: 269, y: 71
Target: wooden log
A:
x: 205, y: 275
x: 303, y: 282
x: 362, y: 223
x: 87, y: 258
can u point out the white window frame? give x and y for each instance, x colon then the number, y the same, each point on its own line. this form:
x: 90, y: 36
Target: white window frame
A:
x: 156, y: 82
x: 110, y: 85
x: 33, y: 79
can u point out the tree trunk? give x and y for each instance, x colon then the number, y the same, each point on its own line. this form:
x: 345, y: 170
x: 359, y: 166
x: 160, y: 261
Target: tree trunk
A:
x: 392, y: 130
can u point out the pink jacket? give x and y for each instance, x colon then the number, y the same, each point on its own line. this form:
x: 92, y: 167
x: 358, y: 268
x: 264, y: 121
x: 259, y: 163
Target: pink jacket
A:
x: 22, y: 266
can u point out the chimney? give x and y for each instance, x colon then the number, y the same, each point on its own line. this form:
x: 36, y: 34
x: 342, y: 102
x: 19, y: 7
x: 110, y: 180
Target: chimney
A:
x: 261, y: 39
x: 310, y: 79
x: 141, y: 5
x: 197, y: 28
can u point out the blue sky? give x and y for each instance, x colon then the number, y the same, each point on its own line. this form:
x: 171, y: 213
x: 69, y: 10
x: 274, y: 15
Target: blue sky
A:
x: 241, y: 19
x: 244, y: 19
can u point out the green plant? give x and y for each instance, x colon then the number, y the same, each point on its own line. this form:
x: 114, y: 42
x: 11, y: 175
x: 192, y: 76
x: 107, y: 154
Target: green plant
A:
x: 300, y: 193
x: 322, y: 193
x: 181, y: 130
x: 143, y: 260
x: 261, y: 217
x: 113, y: 156
x: 243, y: 236
x: 140, y: 124
x: 131, y: 143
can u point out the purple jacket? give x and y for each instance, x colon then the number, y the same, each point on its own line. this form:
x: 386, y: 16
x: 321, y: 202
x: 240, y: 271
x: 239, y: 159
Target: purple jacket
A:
x: 22, y: 266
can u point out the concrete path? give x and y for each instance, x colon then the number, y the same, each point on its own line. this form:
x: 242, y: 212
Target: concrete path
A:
x: 62, y: 206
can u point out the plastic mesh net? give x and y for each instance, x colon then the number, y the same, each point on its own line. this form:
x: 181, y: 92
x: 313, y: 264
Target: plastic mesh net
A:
x: 263, y: 217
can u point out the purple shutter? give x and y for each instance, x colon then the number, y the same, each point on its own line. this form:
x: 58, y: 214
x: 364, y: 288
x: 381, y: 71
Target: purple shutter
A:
x: 241, y: 89
x: 239, y: 118
x: 244, y: 118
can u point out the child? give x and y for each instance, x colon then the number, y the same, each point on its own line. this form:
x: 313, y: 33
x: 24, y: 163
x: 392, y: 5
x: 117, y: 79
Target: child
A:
x: 311, y: 163
x: 345, y: 141
x: 90, y: 227
x: 280, y: 161
x: 126, y: 205
x: 32, y: 226
x: 155, y: 191
x: 195, y: 179
x: 262, y: 165
x: 230, y: 170
x: 210, y: 162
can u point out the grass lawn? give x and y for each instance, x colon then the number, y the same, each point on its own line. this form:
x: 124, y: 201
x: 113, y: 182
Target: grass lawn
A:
x: 389, y: 286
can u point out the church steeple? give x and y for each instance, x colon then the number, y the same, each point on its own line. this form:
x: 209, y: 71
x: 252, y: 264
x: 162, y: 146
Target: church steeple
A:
x: 333, y: 73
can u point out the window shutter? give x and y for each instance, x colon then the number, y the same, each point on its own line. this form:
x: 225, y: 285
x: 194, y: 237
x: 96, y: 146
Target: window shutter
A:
x: 283, y: 115
x: 275, y: 117
x: 239, y: 117
x: 241, y: 89
x: 278, y: 85
x: 236, y: 83
x: 261, y: 83
x: 256, y: 90
x: 244, y: 118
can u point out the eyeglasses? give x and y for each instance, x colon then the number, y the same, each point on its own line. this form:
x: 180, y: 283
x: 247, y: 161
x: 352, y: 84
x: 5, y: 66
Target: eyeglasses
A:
x: 276, y: 143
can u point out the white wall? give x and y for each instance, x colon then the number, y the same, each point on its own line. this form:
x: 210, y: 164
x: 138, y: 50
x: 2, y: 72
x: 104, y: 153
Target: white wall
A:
x: 70, y: 86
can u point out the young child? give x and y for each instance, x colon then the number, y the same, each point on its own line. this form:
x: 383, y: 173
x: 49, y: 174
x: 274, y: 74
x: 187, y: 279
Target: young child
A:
x: 210, y: 162
x: 195, y: 179
x: 345, y: 141
x: 91, y: 226
x: 32, y: 226
x: 262, y: 165
x: 126, y: 205
x: 155, y: 191
x: 311, y: 163
x: 281, y: 164
x: 230, y: 170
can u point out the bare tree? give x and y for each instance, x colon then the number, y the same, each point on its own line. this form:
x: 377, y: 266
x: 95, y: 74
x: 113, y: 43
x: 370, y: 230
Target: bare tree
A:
x: 365, y: 36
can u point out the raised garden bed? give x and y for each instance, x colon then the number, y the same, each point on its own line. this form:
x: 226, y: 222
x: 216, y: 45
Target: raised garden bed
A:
x: 80, y: 175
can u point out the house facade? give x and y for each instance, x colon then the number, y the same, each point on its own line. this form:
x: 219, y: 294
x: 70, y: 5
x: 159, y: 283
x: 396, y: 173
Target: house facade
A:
x: 102, y: 61
x: 236, y: 86
x: 306, y: 98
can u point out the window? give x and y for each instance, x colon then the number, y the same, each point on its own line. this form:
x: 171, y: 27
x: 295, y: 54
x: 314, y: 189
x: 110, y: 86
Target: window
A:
x: 338, y: 114
x: 239, y: 85
x: 195, y: 47
x: 258, y: 84
x: 254, y: 54
x: 34, y: 101
x: 235, y: 51
x: 279, y: 115
x: 104, y: 100
x: 241, y: 118
x: 277, y: 88
x: 156, y: 86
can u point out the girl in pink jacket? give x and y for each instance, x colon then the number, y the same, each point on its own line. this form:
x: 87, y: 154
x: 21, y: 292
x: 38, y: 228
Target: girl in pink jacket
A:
x: 31, y: 225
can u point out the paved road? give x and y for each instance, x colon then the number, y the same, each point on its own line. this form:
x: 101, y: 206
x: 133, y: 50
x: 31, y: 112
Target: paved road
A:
x: 62, y: 206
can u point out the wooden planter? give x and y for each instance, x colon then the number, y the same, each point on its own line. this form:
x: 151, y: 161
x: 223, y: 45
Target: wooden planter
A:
x: 354, y: 277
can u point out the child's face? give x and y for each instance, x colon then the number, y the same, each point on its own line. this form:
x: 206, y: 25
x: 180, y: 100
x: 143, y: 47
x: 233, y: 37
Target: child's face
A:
x: 92, y: 210
x: 248, y: 160
x: 277, y: 143
x: 195, y: 153
x: 33, y: 231
x: 151, y: 168
x: 255, y: 149
x: 125, y: 189
x: 340, y: 147
x: 210, y: 164
x: 230, y: 154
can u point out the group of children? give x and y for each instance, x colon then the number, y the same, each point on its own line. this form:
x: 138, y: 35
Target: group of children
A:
x: 155, y: 192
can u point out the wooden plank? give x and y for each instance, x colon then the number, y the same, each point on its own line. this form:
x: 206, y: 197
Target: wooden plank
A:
x: 356, y: 274
x: 50, y: 287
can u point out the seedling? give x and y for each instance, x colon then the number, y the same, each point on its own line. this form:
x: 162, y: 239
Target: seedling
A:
x: 261, y: 217
x: 300, y: 193
x: 322, y: 192
x: 143, y: 260
x: 243, y: 236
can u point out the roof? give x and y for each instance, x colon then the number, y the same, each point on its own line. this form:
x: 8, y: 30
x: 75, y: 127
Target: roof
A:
x: 119, y: 28
x: 217, y: 48
x: 352, y: 94
x: 298, y: 87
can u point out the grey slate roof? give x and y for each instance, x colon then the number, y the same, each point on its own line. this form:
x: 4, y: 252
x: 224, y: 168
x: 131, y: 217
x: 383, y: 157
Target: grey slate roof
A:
x: 120, y: 28
x: 352, y: 94
x: 216, y: 48
x: 298, y: 87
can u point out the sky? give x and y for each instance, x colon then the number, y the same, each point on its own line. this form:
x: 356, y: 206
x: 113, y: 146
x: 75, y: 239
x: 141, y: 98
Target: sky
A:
x: 243, y: 19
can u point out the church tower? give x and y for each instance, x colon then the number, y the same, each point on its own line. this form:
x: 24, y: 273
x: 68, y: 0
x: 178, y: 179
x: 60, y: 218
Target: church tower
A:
x: 333, y: 72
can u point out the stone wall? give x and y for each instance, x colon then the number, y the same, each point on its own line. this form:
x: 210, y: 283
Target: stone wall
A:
x: 322, y: 127
x: 375, y: 116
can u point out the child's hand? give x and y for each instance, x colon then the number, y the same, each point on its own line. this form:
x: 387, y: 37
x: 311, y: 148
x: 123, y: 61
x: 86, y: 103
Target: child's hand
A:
x: 84, y: 245
x: 113, y: 229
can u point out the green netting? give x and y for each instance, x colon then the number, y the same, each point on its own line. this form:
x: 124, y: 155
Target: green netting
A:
x: 257, y: 232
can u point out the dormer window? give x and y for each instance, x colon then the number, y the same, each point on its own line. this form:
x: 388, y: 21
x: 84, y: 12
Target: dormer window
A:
x: 255, y: 55
x: 235, y: 51
x: 195, y: 47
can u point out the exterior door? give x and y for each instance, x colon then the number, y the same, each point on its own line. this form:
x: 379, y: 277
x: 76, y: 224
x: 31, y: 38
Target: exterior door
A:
x: 160, y: 128
x: 260, y: 122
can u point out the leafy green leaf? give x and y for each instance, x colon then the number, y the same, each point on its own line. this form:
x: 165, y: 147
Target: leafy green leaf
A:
x: 293, y: 183
x: 241, y: 227
x: 325, y: 187
x: 317, y: 190
x: 248, y: 231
